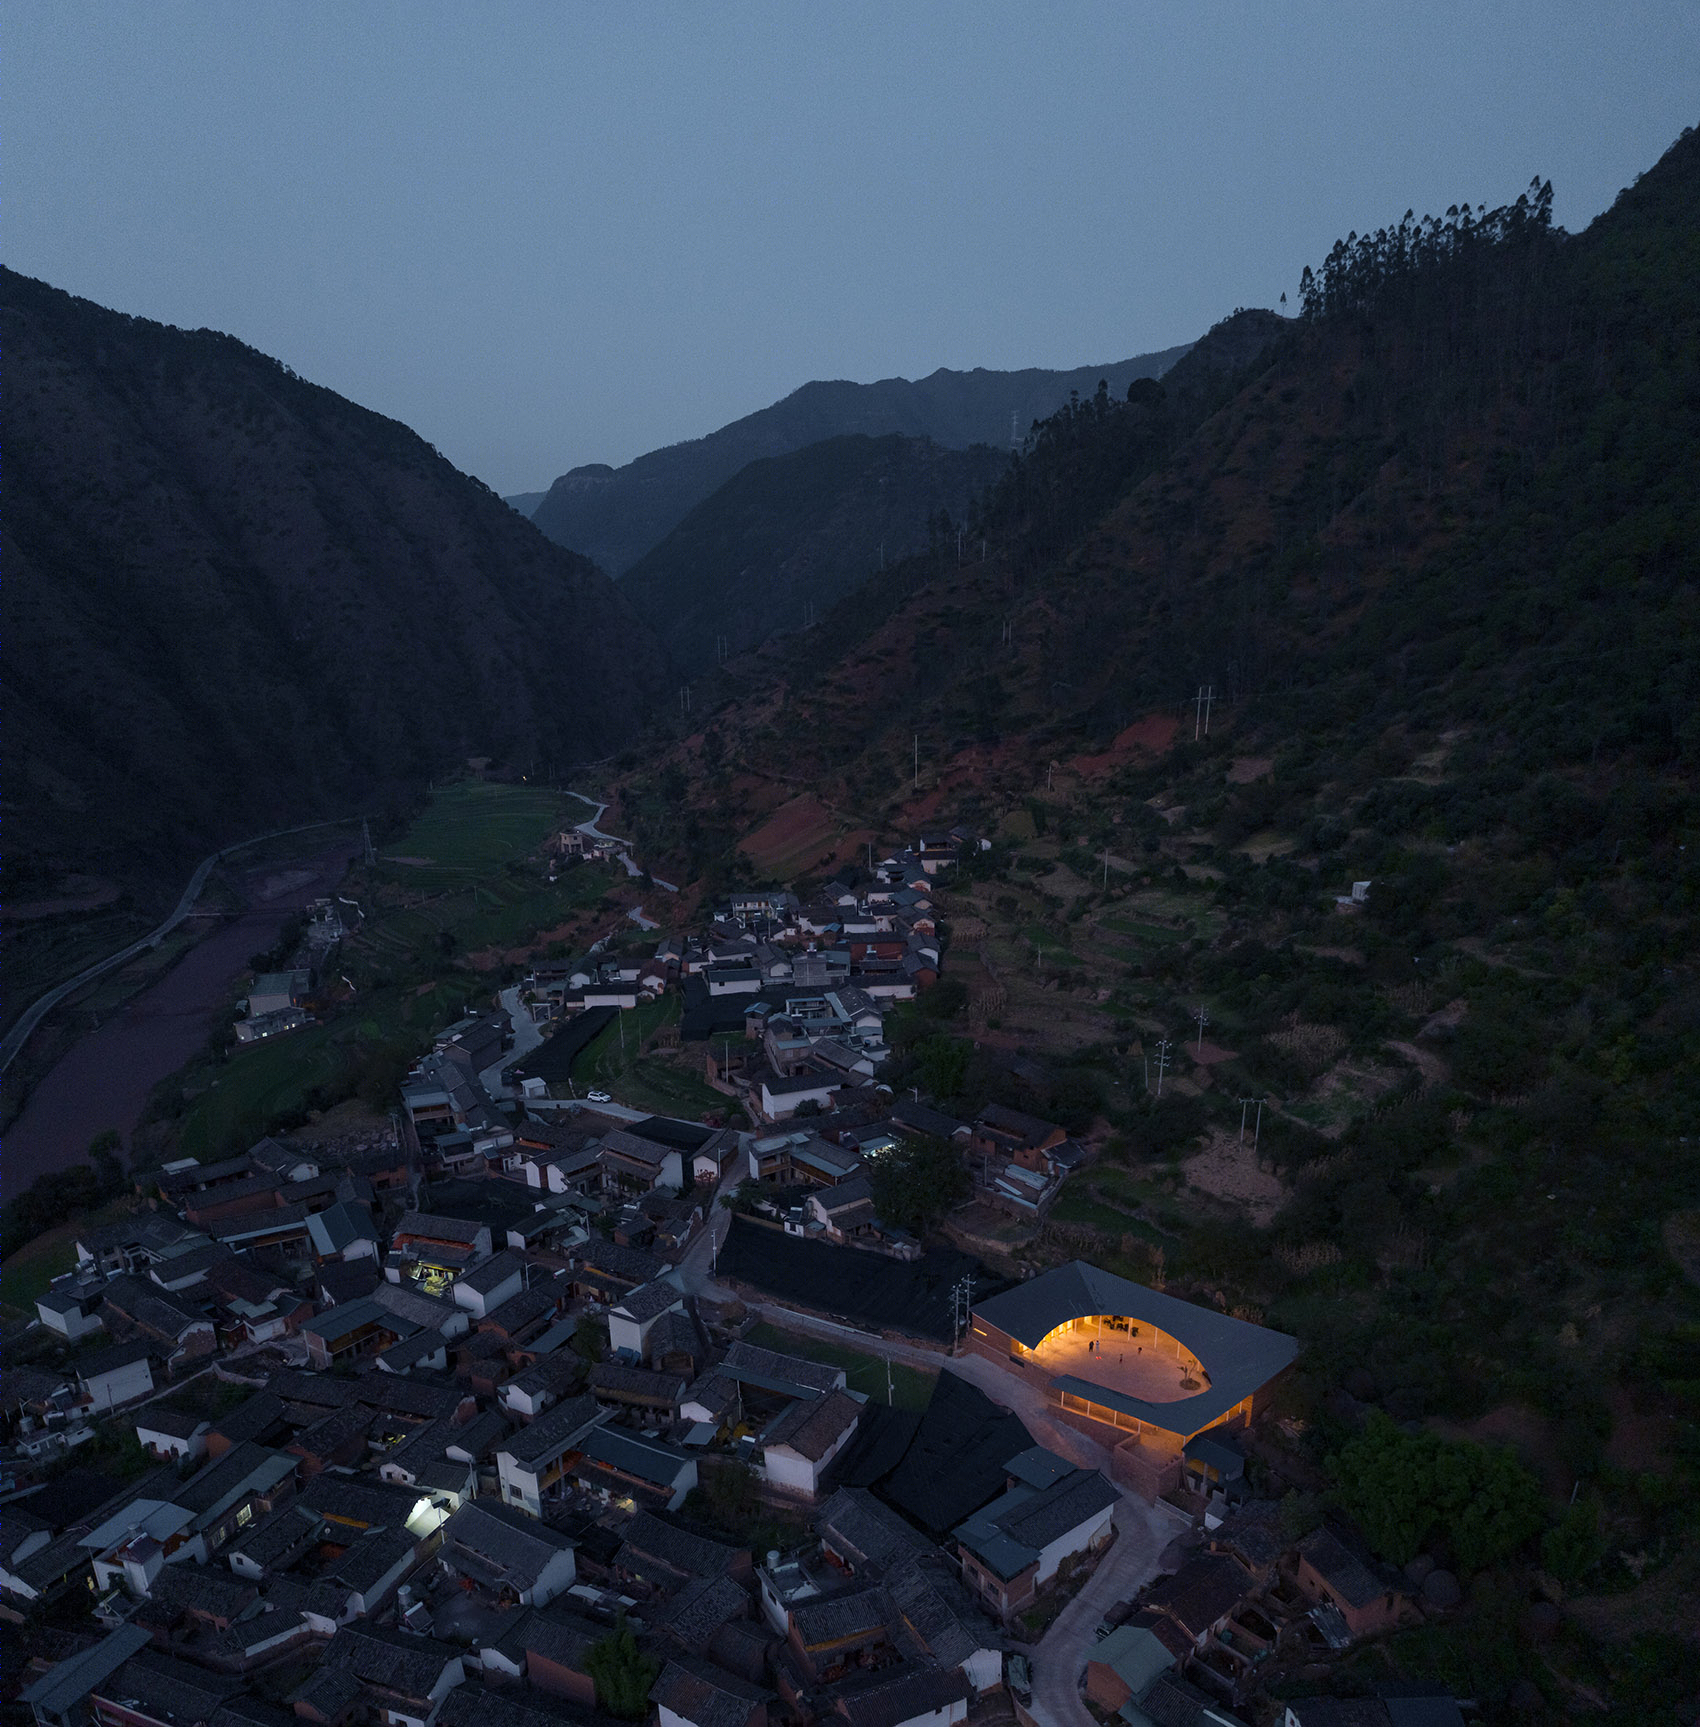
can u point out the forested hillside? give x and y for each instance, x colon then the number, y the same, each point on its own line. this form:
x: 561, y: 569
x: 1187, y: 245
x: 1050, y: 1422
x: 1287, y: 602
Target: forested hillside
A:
x: 235, y: 600
x: 1433, y: 552
x: 615, y: 515
x: 789, y: 536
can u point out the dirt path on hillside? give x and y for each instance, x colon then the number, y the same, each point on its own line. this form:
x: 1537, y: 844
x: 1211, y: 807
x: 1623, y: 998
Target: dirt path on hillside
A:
x: 1228, y: 1170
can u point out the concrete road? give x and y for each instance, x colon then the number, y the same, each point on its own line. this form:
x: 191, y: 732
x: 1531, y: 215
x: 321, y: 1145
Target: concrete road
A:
x: 594, y: 832
x: 1142, y: 1532
x: 526, y: 1038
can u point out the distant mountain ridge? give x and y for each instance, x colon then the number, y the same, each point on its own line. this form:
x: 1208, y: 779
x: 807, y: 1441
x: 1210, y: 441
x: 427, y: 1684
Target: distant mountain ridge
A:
x: 794, y: 531
x: 235, y: 600
x: 616, y: 515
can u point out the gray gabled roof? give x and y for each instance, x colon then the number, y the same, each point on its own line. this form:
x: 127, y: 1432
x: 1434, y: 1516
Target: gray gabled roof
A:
x: 792, y: 1375
x: 706, y: 1695
x: 494, y: 1271
x: 113, y: 1358
x: 644, y: 1459
x: 69, y: 1681
x: 649, y: 1299
x: 1238, y: 1356
x: 502, y: 1544
x: 866, y: 1531
x: 1009, y: 1534
x: 552, y: 1432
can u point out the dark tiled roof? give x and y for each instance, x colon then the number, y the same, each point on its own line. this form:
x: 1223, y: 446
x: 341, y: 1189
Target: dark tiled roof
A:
x: 1339, y: 1712
x: 208, y: 1589
x: 349, y: 1499
x: 690, y: 1555
x: 328, y: 1691
x: 1201, y: 1592
x: 836, y: 1618
x: 915, y: 1691
x: 392, y: 1661
x: 706, y: 1695
x: 480, y: 1706
x: 157, y: 1418
x: 616, y: 1380
x: 518, y: 1313
x: 552, y: 1634
x: 1063, y: 1506
x: 215, y: 1481
x: 370, y: 1559
x: 636, y: 1149
x: 431, y: 1227
x: 481, y: 1279
x: 629, y: 1264
x: 698, y: 1611
x: 112, y: 1358
x: 276, y: 1538
x: 773, y: 1371
x: 1172, y: 1702
x: 866, y: 1532
x: 481, y: 1435
x: 166, y: 1689
x: 649, y: 1300
x: 812, y: 1428
x: 939, y: 1611
x: 552, y: 1430
x: 957, y: 1458
x: 1254, y: 1533
x: 1349, y: 1575
x: 504, y: 1544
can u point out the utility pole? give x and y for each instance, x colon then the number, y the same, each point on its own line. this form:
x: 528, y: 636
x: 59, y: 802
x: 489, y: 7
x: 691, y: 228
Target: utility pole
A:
x: 1106, y: 869
x: 961, y: 1306
x: 890, y: 1393
x: 1162, y: 1064
x: 1203, y: 1018
x: 1245, y: 1104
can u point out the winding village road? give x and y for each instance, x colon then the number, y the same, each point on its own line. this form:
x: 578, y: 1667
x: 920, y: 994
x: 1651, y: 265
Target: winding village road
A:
x: 1142, y: 1531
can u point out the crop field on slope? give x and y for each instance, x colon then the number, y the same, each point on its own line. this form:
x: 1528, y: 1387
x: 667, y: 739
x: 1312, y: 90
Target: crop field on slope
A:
x: 471, y: 828
x: 796, y: 837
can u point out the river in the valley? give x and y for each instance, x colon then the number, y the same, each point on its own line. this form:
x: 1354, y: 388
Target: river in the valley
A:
x: 104, y: 1080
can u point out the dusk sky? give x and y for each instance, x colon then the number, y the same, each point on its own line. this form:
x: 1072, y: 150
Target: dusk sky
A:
x: 545, y: 234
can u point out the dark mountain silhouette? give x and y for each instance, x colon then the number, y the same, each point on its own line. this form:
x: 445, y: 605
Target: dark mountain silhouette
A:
x: 795, y: 531
x: 234, y: 599
x: 615, y: 515
x: 524, y: 502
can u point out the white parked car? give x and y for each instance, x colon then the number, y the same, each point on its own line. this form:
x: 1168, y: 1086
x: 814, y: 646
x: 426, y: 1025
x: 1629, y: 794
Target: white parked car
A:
x: 598, y: 1097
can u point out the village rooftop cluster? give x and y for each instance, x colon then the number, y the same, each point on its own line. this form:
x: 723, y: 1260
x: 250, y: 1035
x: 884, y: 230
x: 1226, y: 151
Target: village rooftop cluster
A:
x: 431, y: 1417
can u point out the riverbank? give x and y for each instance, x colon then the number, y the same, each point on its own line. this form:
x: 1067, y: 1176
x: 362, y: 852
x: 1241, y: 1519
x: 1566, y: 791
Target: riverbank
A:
x: 104, y: 1080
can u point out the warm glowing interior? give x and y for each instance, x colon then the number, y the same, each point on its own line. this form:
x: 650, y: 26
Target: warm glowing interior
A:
x: 1121, y: 1353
